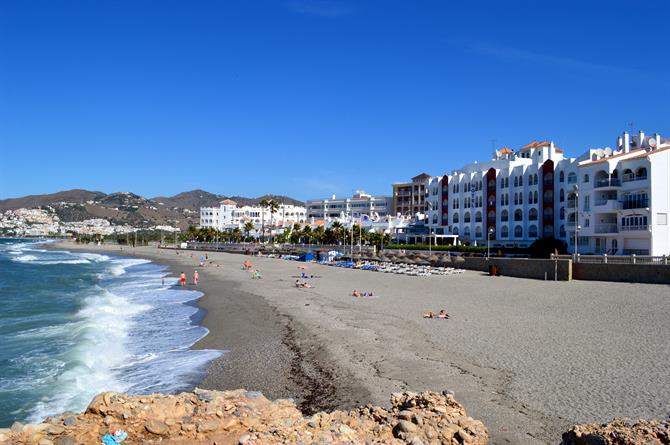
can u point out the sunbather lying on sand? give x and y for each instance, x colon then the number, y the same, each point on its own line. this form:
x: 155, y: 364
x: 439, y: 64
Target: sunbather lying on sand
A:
x: 443, y: 314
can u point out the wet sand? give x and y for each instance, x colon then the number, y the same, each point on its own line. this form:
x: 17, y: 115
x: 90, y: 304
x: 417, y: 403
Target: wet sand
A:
x: 529, y: 358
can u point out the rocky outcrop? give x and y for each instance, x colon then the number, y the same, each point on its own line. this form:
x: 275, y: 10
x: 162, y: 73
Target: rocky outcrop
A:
x: 619, y: 432
x: 247, y: 417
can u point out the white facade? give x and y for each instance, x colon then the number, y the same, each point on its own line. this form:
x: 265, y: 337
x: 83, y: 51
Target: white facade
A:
x: 622, y: 198
x: 229, y: 216
x: 358, y: 206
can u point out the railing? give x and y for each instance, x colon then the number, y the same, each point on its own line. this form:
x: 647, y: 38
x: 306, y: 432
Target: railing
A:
x: 572, y: 203
x: 613, y: 182
x: 606, y: 228
x: 629, y: 177
x: 634, y: 228
x: 604, y: 202
x: 630, y: 256
x: 641, y: 203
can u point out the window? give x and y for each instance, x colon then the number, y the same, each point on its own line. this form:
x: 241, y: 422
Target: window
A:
x: 478, y: 217
x: 532, y: 231
x: 520, y: 181
x: 520, y: 198
x: 641, y: 173
x: 586, y: 178
x: 532, y: 215
x: 561, y: 213
x: 561, y: 177
x: 516, y: 181
x: 455, y: 219
x: 478, y: 232
x: 535, y: 196
x: 561, y: 195
x: 504, y: 215
x: 530, y: 197
x: 518, y: 215
x: 561, y: 232
x: 466, y: 232
x: 504, y: 232
x: 572, y: 178
x: 518, y: 232
x: 466, y: 217
x: 454, y: 231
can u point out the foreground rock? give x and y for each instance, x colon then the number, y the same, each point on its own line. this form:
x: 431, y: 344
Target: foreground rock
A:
x: 248, y: 418
x: 620, y: 432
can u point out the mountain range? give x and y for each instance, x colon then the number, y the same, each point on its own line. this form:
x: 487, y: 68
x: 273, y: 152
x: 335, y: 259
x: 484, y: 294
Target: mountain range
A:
x: 181, y: 210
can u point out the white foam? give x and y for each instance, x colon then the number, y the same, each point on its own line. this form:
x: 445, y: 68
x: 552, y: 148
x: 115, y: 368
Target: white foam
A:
x: 119, y: 266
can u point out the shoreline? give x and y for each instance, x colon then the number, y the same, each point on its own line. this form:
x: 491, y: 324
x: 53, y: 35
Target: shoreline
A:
x: 274, y: 360
x: 527, y: 357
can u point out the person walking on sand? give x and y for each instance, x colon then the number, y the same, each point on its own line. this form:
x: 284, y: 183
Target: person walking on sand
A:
x: 196, y: 277
x: 182, y: 279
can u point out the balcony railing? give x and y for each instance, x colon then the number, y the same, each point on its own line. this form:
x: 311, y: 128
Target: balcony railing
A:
x: 606, y: 201
x: 606, y: 228
x: 642, y: 203
x: 572, y: 203
x: 612, y: 182
x: 641, y: 227
x: 628, y: 177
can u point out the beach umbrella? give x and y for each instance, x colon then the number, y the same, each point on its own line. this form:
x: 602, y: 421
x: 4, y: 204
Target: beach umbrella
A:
x: 445, y: 260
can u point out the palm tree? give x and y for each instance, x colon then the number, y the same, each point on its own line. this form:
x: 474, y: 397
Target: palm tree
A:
x: 274, y: 208
x: 264, y: 204
x: 318, y: 234
x: 236, y: 234
x: 248, y: 227
x: 307, y: 233
x: 339, y: 231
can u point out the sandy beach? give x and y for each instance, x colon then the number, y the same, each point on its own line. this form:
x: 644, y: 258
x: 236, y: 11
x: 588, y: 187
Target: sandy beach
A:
x: 529, y: 358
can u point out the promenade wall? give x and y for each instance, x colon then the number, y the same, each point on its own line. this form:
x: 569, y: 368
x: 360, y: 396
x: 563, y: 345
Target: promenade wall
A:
x: 540, y: 269
x: 637, y: 273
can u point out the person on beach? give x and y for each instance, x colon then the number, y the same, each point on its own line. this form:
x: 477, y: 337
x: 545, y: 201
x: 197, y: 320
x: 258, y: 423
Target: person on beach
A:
x: 430, y: 314
x: 196, y: 277
x: 297, y: 283
x: 355, y: 293
x: 182, y: 279
x: 443, y: 314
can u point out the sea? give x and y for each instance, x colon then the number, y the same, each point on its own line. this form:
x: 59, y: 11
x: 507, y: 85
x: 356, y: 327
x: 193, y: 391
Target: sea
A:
x: 74, y: 324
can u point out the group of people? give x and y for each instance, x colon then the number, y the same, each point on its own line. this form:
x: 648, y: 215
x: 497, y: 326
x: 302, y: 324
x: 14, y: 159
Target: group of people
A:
x: 182, y: 278
x: 442, y: 314
x: 359, y: 294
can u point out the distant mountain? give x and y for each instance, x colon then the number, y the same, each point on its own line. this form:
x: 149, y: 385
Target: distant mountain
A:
x: 77, y: 196
x: 181, y: 210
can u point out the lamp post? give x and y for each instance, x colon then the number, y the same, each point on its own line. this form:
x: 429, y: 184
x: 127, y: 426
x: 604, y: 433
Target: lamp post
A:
x: 488, y: 241
x: 576, y: 190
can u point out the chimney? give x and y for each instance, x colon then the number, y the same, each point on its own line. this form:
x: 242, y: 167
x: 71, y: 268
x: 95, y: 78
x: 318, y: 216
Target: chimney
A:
x: 619, y: 143
x: 551, y: 149
x: 641, y: 136
x: 658, y: 139
x: 626, y: 142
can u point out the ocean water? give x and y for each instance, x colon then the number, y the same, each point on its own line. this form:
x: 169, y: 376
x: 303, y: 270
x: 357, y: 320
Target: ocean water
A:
x: 74, y: 324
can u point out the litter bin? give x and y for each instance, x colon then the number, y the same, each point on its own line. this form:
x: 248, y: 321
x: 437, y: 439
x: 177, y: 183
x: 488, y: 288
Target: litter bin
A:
x: 493, y: 270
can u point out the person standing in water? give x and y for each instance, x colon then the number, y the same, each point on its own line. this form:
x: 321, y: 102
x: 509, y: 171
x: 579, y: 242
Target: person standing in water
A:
x: 182, y: 279
x: 196, y: 277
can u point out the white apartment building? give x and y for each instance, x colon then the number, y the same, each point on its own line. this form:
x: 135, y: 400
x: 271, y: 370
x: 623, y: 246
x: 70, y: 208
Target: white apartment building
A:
x: 614, y: 201
x: 229, y: 216
x: 360, y: 205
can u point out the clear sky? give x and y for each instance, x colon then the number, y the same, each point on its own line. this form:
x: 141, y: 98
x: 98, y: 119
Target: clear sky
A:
x: 309, y: 98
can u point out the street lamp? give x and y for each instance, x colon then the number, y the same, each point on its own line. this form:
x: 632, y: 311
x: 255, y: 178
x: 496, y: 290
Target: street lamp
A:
x: 489, y: 232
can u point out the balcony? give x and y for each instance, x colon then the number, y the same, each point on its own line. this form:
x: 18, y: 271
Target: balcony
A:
x: 630, y: 177
x: 572, y: 203
x: 612, y: 182
x: 607, y: 204
x: 639, y: 228
x: 642, y: 203
x: 606, y: 228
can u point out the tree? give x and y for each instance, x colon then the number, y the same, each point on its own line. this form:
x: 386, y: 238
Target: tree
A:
x: 248, y: 227
x: 307, y: 234
x: 544, y: 247
x: 264, y: 204
x: 236, y: 234
x: 274, y: 208
x: 318, y: 235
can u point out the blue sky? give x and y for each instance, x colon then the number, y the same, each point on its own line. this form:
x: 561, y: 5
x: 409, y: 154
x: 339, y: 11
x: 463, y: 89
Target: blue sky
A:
x: 309, y: 98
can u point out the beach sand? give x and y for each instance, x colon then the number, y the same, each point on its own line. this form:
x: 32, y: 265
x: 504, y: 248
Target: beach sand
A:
x: 529, y: 358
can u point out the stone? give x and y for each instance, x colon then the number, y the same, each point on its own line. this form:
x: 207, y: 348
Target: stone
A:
x: 244, y: 440
x: 188, y: 427
x: 54, y: 429
x: 254, y: 394
x: 207, y: 426
x: 229, y: 423
x: 108, y: 420
x: 69, y: 421
x: 45, y: 442
x: 156, y: 427
x: 403, y: 426
x: 416, y: 440
x: 65, y: 440
x: 16, y: 427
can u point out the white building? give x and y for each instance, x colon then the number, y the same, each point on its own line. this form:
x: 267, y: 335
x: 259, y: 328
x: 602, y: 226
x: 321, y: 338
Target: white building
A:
x: 358, y: 206
x: 229, y: 216
x: 622, y: 198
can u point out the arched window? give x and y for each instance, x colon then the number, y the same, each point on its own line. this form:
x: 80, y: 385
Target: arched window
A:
x: 532, y: 215
x: 504, y: 232
x: 466, y: 217
x: 518, y: 232
x: 572, y: 178
x: 434, y: 219
x: 561, y: 213
x: 504, y: 215
x: 516, y: 181
x: 466, y: 231
x: 532, y: 231
x: 548, y: 213
x: 478, y: 232
x: 548, y: 230
x: 641, y: 173
x: 530, y: 197
x: 454, y: 230
x: 492, y: 184
x: 502, y: 183
x: 455, y: 218
x: 535, y: 196
x: 492, y: 200
x: 586, y: 178
x: 520, y: 198
x: 520, y: 181
x: 518, y: 215
x: 491, y: 217
x: 561, y: 176
x: 478, y: 216
x: 536, y: 180
x: 561, y: 195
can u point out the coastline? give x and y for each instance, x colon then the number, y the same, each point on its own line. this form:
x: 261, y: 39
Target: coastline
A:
x: 263, y: 350
x: 525, y: 356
